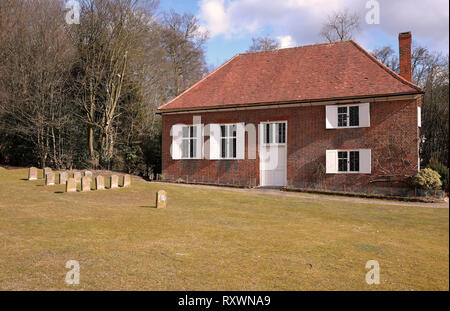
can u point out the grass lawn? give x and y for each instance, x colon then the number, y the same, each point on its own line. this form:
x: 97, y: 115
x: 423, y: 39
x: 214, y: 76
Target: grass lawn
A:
x: 212, y: 240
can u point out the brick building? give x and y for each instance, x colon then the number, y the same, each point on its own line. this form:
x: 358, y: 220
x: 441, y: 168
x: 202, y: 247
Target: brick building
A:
x: 324, y: 114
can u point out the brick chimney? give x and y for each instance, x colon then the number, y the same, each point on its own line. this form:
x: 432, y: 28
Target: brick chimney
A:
x: 404, y: 48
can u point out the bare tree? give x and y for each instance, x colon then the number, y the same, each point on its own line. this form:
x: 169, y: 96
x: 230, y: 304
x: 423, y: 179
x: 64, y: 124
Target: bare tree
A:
x: 183, y: 42
x: 86, y: 95
x: 340, y: 26
x: 387, y: 56
x: 34, y: 77
x: 430, y: 71
x: 263, y: 44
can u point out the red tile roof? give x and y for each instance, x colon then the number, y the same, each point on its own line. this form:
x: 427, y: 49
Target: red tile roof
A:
x: 309, y: 73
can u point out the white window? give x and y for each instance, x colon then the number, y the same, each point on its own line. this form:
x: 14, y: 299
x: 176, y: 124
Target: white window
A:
x: 348, y: 161
x: 189, y: 142
x: 228, y: 140
x: 347, y: 116
x: 274, y: 133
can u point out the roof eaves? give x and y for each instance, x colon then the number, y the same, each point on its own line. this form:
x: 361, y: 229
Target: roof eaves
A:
x: 305, y: 101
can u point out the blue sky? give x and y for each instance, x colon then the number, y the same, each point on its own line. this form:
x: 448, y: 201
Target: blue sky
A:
x: 232, y: 23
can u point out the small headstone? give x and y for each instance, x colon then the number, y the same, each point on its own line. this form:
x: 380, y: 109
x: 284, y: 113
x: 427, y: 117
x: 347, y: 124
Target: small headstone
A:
x: 71, y: 185
x: 126, y: 180
x: 85, y: 184
x: 88, y: 173
x: 62, y: 178
x: 99, y: 183
x: 114, y: 181
x: 161, y: 199
x: 77, y: 177
x: 32, y: 173
x: 50, y: 179
x: 47, y: 170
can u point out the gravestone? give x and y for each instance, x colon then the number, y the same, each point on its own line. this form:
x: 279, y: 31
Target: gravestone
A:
x: 161, y: 199
x: 32, y: 173
x: 71, y: 185
x: 85, y: 184
x: 77, y: 177
x: 114, y: 181
x: 62, y: 178
x: 126, y: 180
x: 50, y: 179
x: 99, y: 183
x: 88, y: 173
x: 47, y: 170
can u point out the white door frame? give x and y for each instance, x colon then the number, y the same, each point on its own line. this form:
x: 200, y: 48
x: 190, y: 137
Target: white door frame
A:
x: 263, y: 145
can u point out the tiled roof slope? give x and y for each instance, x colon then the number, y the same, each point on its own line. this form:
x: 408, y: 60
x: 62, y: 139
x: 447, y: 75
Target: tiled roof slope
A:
x: 315, y: 72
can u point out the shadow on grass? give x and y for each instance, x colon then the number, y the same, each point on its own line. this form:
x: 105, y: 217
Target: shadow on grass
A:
x: 148, y: 206
x: 59, y: 192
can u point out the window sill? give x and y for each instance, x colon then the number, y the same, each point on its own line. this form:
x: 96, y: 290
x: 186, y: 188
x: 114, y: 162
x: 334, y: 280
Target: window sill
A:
x: 273, y: 145
x: 350, y: 173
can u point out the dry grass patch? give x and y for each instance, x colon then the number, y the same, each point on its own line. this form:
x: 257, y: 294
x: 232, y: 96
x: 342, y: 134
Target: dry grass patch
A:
x: 212, y: 240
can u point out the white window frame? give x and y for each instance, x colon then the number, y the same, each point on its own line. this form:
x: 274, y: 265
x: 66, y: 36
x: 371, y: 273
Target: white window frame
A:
x: 332, y: 115
x: 228, y: 138
x: 274, y: 134
x: 332, y: 161
x: 348, y: 116
x: 348, y: 162
x: 190, y: 145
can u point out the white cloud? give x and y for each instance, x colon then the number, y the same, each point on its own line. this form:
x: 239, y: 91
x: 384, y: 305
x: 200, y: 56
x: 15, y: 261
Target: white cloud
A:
x: 302, y: 19
x: 214, y: 16
x: 286, y: 42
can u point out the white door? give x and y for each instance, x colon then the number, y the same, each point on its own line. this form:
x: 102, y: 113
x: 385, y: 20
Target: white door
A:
x: 272, y: 153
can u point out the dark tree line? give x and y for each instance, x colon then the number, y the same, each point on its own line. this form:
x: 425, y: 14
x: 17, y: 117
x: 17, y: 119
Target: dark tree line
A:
x: 85, y: 95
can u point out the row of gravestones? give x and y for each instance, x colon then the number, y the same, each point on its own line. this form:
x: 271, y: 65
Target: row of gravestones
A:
x: 71, y: 183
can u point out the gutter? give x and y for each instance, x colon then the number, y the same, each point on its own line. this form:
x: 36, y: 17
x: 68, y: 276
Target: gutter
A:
x: 304, y: 103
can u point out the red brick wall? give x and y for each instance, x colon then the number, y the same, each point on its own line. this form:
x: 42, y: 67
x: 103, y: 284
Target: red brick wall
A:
x: 392, y: 136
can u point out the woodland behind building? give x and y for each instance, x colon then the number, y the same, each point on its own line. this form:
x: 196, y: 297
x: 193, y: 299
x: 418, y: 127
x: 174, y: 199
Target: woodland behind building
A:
x: 85, y: 95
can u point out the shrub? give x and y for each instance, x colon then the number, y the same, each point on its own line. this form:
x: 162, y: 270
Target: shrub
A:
x: 442, y: 170
x: 428, y: 179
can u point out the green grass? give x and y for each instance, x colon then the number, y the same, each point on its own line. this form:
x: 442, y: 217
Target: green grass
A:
x: 212, y: 240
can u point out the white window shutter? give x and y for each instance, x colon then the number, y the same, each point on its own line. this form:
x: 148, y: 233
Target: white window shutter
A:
x: 214, y: 141
x: 331, y: 161
x: 419, y: 116
x: 240, y: 141
x: 199, y: 146
x: 364, y: 115
x: 261, y: 134
x: 175, y: 148
x: 365, y: 161
x: 331, y: 117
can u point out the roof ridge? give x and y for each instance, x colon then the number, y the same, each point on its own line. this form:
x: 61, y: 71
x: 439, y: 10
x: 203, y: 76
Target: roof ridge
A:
x: 386, y: 68
x: 296, y: 47
x: 199, y: 81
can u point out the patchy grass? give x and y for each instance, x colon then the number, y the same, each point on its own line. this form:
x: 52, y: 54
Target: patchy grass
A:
x: 212, y: 240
